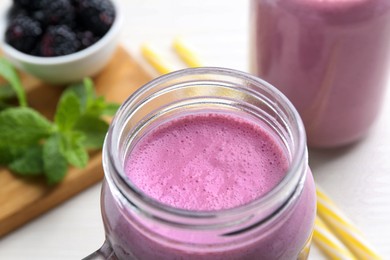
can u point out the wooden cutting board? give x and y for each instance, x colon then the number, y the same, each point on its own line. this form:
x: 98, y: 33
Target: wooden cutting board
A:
x: 23, y: 199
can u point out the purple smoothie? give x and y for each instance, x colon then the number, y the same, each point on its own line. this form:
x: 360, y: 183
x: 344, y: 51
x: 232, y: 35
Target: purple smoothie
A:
x: 331, y: 58
x: 208, y: 162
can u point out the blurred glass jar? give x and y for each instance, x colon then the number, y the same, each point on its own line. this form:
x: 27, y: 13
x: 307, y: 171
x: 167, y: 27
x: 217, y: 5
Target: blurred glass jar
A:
x: 331, y: 58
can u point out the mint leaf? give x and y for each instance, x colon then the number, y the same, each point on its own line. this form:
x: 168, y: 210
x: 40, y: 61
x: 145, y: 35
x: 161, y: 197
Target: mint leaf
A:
x: 94, y: 129
x: 81, y: 94
x: 85, y: 93
x: 97, y: 106
x: 3, y: 105
x: 23, y: 126
x: 30, y: 163
x: 6, y: 155
x: 8, y: 73
x: 68, y: 111
x: 54, y: 162
x: 100, y: 107
x: 9, y: 153
x: 90, y: 103
x: 110, y: 109
x: 73, y: 150
x: 31, y: 145
x: 6, y: 92
x: 88, y: 84
x: 89, y: 88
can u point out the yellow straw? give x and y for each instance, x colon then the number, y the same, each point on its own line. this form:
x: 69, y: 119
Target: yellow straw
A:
x: 186, y: 53
x: 343, y: 228
x: 155, y: 59
x: 329, y: 218
x: 328, y: 242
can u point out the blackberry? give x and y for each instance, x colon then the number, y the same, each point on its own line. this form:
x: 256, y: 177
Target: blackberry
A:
x: 23, y: 33
x: 96, y: 15
x: 39, y: 16
x: 57, y: 27
x: 86, y: 39
x: 59, y: 40
x: 14, y: 11
x: 54, y: 12
x: 36, y: 51
x: 28, y: 5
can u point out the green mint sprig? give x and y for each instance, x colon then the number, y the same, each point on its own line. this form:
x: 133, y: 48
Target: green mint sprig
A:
x: 8, y: 72
x: 31, y: 145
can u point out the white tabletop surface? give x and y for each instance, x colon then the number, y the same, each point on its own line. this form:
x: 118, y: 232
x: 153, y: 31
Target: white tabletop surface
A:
x: 357, y: 178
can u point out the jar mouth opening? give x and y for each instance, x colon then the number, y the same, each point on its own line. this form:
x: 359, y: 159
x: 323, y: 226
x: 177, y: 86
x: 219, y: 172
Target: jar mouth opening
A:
x: 291, y: 184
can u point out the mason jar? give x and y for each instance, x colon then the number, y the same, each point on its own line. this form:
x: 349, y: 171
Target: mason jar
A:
x: 330, y: 58
x: 277, y: 225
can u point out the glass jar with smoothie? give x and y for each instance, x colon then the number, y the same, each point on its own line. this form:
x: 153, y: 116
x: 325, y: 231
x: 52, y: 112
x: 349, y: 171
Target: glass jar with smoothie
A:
x: 331, y: 58
x: 207, y: 163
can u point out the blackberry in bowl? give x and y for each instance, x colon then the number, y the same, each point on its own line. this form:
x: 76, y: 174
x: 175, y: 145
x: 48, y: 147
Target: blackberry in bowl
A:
x: 60, y: 41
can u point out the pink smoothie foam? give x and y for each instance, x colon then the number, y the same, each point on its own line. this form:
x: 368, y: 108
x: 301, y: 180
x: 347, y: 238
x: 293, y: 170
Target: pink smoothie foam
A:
x: 331, y: 58
x: 208, y: 162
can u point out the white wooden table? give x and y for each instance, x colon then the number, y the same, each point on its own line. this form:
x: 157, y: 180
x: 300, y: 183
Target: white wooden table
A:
x: 357, y: 178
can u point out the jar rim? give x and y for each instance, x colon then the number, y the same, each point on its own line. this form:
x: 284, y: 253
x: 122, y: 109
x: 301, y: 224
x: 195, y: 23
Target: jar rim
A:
x: 296, y: 172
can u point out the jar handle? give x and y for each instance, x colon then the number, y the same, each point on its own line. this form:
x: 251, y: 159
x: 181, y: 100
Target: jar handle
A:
x: 105, y: 252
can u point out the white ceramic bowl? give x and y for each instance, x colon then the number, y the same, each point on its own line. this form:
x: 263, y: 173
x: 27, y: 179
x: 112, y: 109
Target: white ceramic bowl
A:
x: 68, y: 68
